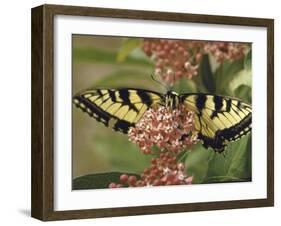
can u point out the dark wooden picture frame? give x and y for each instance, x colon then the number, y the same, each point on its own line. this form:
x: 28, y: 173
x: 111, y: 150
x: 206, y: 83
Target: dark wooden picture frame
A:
x: 43, y: 112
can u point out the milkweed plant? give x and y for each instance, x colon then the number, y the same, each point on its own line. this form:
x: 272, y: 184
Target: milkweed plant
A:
x: 167, y: 134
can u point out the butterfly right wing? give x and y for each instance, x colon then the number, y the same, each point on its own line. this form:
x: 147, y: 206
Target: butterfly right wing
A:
x: 119, y: 109
x: 219, y: 119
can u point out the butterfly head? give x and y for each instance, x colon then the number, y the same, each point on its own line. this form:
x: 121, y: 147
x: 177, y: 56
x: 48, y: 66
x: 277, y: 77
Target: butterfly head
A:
x: 172, y: 100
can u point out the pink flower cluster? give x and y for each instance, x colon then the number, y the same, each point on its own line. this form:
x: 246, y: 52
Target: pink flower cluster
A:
x: 226, y: 50
x: 168, y: 129
x: 163, y: 171
x: 175, y: 59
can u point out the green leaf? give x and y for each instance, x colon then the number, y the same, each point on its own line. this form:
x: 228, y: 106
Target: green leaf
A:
x: 234, y: 84
x: 197, y: 163
x: 214, y: 63
x: 95, y: 55
x: 99, y: 180
x: 241, y: 162
x: 244, y: 93
x: 207, y: 75
x: 225, y: 74
x: 181, y: 157
x: 241, y: 85
x: 185, y: 86
x: 127, y: 47
x: 217, y: 165
x: 248, y: 61
x: 199, y: 84
x: 237, y: 155
x: 243, y: 77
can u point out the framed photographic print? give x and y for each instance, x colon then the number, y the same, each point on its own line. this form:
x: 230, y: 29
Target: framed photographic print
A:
x: 141, y: 112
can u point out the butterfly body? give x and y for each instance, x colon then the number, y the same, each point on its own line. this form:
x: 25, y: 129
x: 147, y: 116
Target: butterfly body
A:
x: 218, y: 119
x: 172, y: 100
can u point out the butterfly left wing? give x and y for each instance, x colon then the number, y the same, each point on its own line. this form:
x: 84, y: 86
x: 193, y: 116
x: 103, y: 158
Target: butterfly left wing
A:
x: 119, y: 109
x: 218, y: 119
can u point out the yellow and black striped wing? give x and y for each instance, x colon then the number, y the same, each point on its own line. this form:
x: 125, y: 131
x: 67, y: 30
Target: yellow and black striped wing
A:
x: 218, y: 119
x: 119, y: 109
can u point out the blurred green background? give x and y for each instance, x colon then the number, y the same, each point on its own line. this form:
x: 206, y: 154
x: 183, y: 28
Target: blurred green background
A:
x: 99, y: 152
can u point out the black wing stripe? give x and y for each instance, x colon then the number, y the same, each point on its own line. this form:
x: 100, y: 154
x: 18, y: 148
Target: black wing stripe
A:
x: 218, y: 103
x: 200, y: 102
x: 146, y: 99
x: 238, y: 105
x: 124, y: 94
x: 99, y: 92
x: 228, y: 105
x: 112, y: 95
x: 218, y: 100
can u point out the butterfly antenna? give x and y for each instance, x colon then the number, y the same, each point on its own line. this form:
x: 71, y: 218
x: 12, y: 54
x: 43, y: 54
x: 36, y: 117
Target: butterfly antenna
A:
x: 155, y: 80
